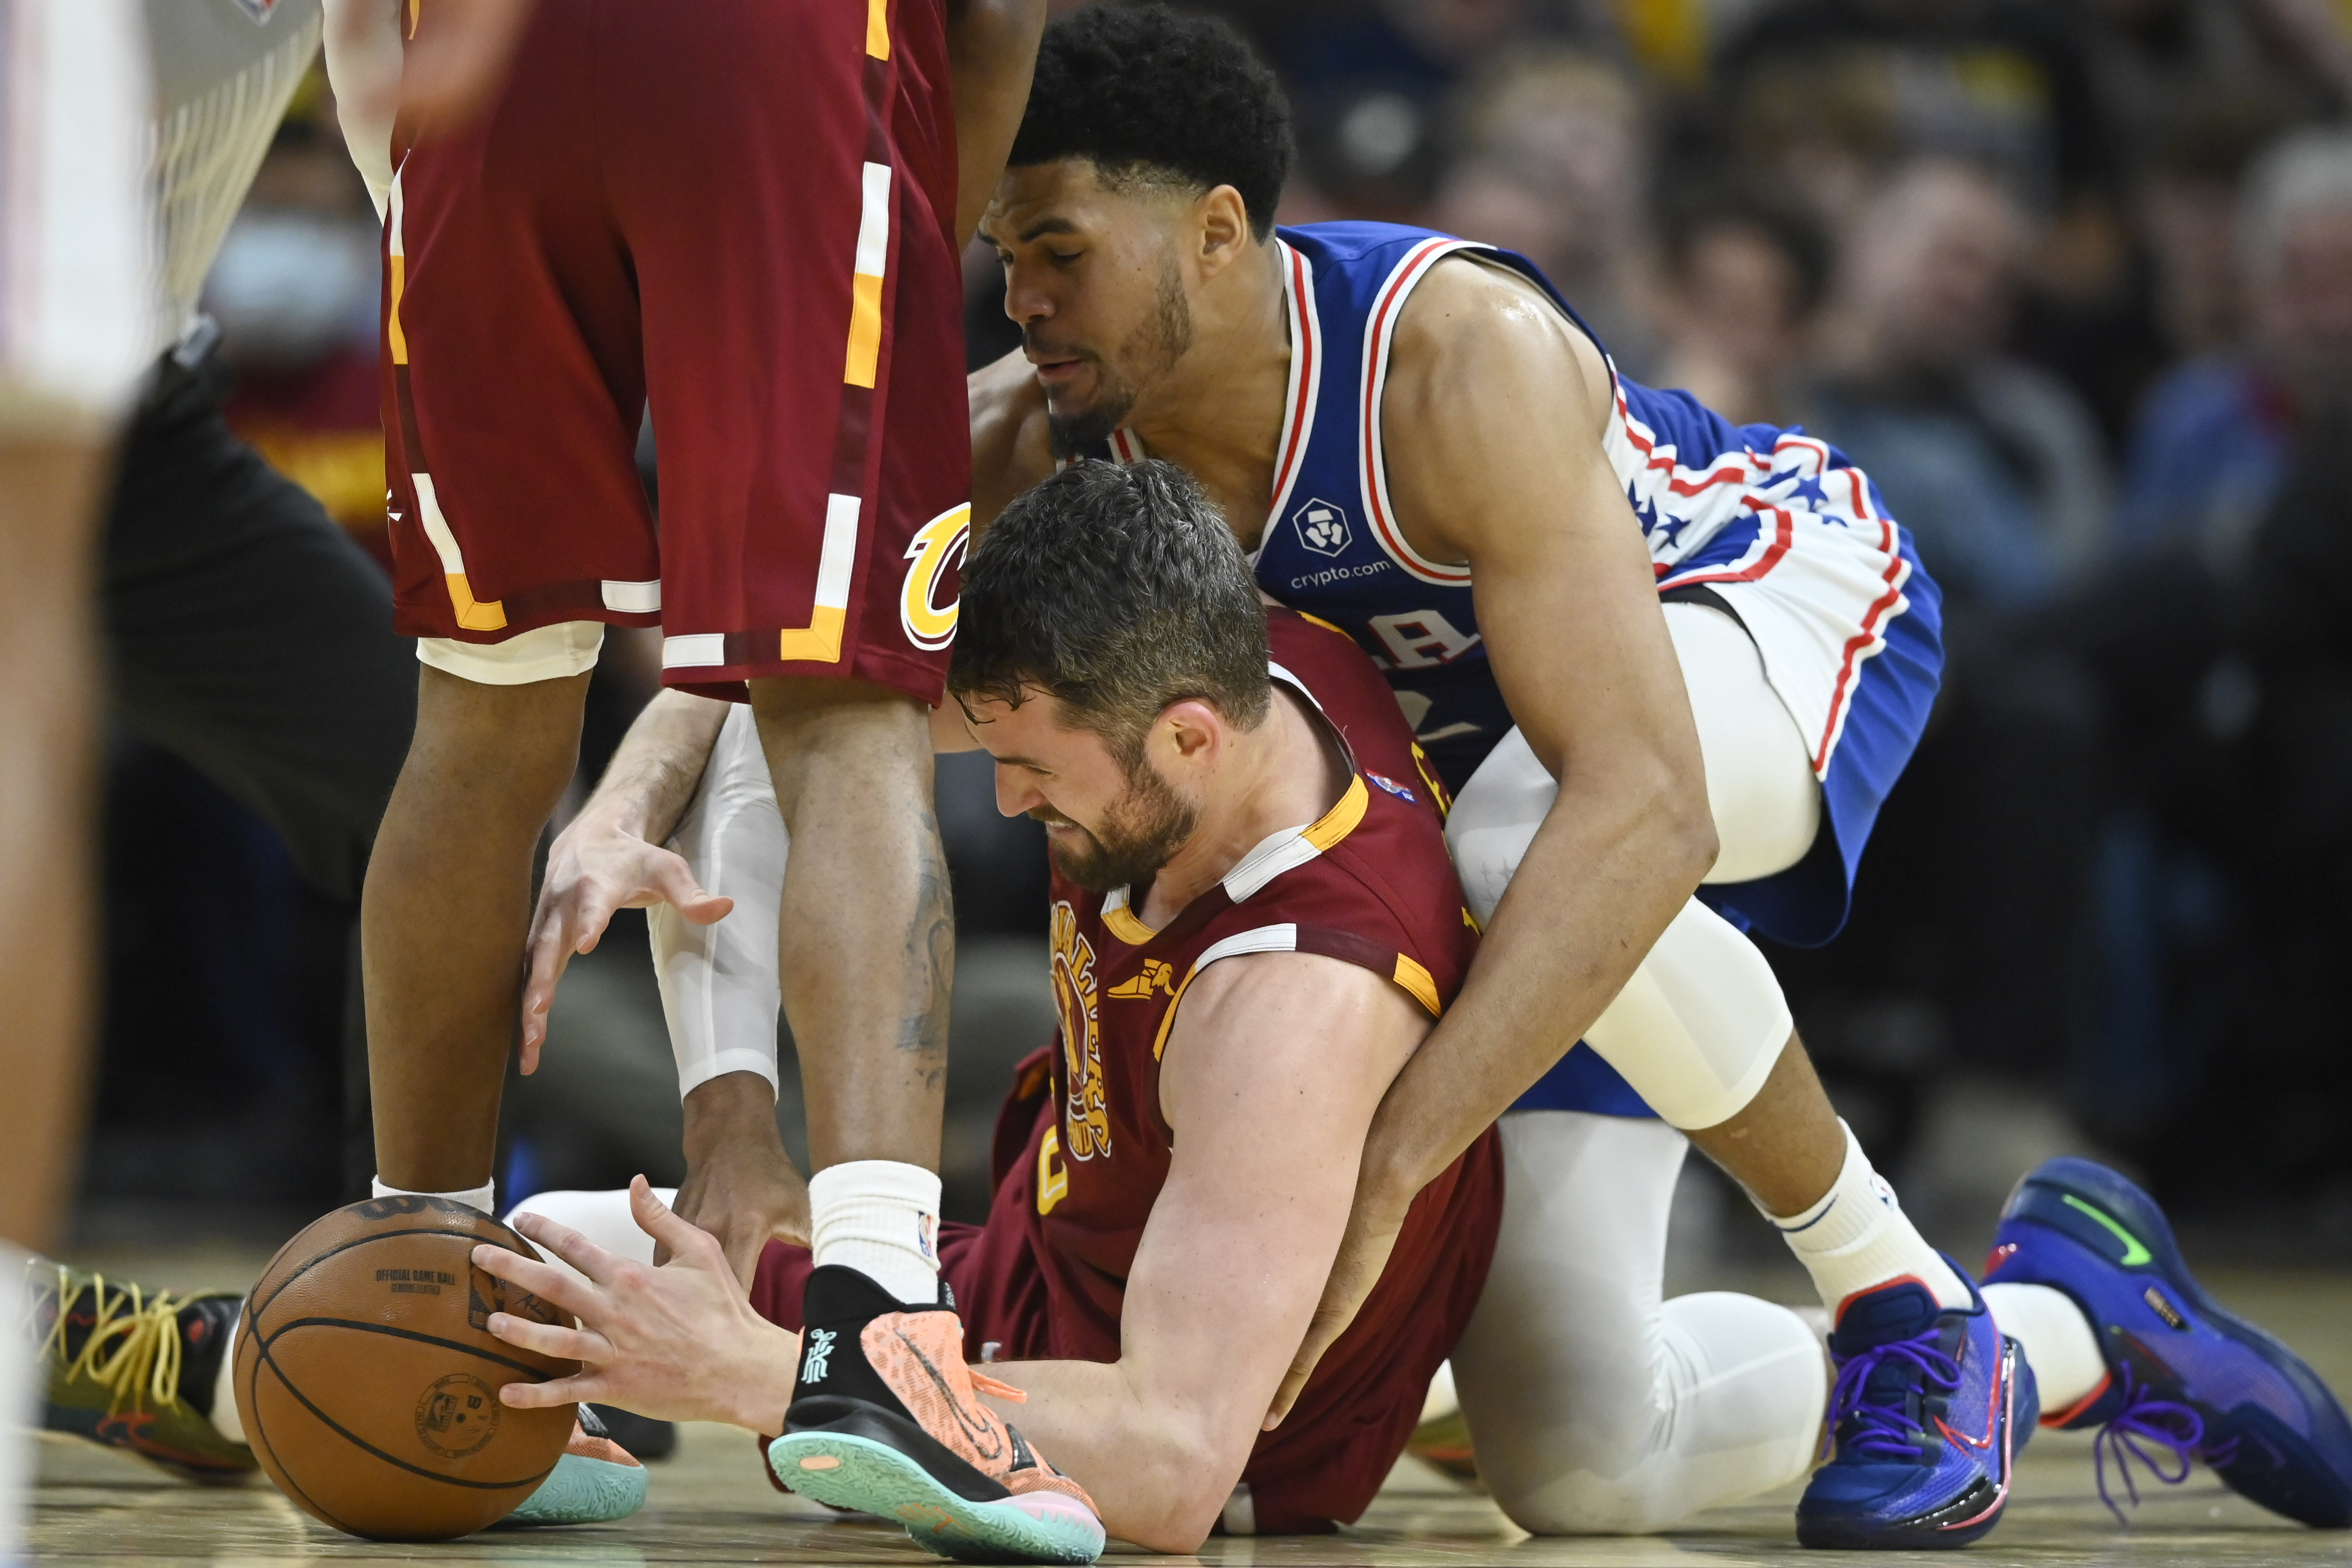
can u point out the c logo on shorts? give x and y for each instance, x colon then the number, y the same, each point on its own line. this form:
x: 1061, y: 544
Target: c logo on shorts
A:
x: 938, y: 544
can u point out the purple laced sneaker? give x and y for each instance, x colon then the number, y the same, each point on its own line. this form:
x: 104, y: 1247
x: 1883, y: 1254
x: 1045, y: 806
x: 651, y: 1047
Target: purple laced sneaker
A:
x: 2148, y: 1420
x: 1880, y: 1423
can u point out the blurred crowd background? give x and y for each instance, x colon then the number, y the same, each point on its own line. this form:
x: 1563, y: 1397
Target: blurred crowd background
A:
x: 2072, y: 279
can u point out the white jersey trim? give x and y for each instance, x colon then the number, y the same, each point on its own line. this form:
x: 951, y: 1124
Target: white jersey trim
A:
x: 1372, y: 464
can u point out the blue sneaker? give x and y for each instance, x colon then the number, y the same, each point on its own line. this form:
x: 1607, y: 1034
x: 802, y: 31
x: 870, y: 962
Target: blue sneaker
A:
x: 1931, y: 1404
x: 2184, y: 1377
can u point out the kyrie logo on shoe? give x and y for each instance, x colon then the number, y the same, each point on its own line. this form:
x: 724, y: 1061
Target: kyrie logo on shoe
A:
x: 819, y: 1359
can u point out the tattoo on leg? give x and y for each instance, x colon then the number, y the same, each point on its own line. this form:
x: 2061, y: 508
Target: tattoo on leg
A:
x: 930, y: 955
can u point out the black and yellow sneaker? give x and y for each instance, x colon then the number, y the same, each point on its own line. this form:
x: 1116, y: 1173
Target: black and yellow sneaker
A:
x: 133, y: 1369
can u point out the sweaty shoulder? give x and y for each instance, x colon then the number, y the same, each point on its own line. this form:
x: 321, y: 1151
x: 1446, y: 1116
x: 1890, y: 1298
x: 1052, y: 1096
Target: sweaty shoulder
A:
x: 1011, y: 448
x: 1500, y: 389
x: 1472, y: 319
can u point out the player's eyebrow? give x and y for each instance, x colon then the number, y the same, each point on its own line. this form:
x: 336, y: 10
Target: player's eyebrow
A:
x: 1047, y: 226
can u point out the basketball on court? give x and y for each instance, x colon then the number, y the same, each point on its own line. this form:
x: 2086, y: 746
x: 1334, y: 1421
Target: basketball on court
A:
x: 368, y: 1380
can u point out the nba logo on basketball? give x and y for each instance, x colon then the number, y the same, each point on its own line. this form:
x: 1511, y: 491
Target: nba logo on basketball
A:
x: 1322, y: 527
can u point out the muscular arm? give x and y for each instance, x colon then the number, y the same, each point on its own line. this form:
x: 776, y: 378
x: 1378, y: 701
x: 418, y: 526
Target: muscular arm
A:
x: 992, y: 53
x: 1272, y: 1071
x: 1508, y: 400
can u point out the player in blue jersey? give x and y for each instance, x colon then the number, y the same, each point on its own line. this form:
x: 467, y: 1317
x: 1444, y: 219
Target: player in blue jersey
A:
x: 1670, y: 668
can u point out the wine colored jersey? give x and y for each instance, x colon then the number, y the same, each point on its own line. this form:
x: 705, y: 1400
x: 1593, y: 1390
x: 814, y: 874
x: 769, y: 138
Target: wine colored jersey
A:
x: 1082, y: 1150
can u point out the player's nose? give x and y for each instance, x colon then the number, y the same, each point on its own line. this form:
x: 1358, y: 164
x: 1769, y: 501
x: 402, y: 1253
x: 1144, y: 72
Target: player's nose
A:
x: 1016, y: 792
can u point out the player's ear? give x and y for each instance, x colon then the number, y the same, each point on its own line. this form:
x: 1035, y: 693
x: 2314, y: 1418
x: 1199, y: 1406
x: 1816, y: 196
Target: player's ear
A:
x: 1224, y: 229
x: 1190, y: 730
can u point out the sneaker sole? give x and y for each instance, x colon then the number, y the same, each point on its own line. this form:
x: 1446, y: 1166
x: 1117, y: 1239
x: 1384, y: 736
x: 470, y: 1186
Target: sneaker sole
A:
x: 2259, y: 1484
x: 867, y: 1477
x: 582, y: 1490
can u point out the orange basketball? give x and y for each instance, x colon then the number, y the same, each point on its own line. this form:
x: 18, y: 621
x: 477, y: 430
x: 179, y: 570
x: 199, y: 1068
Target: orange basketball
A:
x: 367, y: 1379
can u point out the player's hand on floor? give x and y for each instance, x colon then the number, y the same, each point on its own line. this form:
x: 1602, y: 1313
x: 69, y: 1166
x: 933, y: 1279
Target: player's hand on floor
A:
x: 740, y: 1184
x: 678, y: 1342
x: 594, y: 867
x: 1372, y: 1234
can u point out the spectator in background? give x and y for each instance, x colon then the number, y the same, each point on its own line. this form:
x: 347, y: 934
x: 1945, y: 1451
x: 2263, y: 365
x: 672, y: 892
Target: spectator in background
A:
x: 295, y: 290
x: 1555, y: 163
x: 2211, y: 451
x: 1745, y: 278
x: 1994, y: 465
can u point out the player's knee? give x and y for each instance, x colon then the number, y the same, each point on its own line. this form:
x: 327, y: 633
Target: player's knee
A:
x: 1699, y: 1028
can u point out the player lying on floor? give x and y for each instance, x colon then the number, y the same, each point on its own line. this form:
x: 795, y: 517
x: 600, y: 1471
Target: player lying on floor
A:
x: 1254, y: 925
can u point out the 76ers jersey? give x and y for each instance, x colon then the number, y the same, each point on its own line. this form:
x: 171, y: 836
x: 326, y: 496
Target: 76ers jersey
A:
x: 1368, y: 883
x: 1770, y: 525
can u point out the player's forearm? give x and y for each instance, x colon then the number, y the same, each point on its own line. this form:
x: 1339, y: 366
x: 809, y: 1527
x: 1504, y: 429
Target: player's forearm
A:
x: 992, y: 52
x: 651, y: 777
x: 1602, y: 880
x: 1157, y: 1466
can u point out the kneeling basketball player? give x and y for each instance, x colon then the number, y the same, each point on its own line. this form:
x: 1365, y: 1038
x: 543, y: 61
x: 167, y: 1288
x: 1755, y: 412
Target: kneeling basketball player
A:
x: 1254, y: 923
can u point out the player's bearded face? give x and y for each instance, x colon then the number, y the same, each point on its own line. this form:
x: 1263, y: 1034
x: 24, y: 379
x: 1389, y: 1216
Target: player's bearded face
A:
x: 1135, y: 836
x: 1150, y: 351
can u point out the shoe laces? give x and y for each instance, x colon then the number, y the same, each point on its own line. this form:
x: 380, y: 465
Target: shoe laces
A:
x: 1878, y: 1422
x: 2147, y: 1421
x: 983, y: 1384
x: 133, y: 1346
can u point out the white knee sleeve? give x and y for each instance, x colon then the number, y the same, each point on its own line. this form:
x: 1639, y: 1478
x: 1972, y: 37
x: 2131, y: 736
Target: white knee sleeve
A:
x: 1760, y: 786
x: 1699, y: 1028
x: 1595, y: 1406
x: 721, y: 988
x: 602, y: 1216
x: 542, y: 653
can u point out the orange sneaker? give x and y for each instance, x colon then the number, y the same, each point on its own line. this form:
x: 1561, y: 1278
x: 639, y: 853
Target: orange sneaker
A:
x: 886, y: 1419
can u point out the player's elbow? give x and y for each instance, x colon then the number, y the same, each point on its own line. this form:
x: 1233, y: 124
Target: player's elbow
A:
x: 1186, y: 1514
x: 1686, y: 824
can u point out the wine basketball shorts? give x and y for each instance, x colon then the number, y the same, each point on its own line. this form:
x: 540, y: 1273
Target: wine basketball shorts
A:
x: 739, y: 212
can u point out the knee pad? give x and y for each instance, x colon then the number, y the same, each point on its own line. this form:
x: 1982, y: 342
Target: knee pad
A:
x: 1697, y: 1028
x: 542, y: 653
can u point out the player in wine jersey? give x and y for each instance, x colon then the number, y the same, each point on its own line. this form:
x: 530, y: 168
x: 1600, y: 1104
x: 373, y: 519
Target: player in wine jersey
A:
x: 1254, y: 920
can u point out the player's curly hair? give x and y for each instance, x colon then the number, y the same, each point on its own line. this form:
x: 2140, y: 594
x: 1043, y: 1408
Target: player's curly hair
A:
x: 1120, y: 590
x: 1144, y: 91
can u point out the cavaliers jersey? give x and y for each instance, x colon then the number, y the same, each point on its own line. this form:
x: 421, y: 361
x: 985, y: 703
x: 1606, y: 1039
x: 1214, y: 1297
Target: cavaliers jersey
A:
x: 1368, y: 884
x: 1771, y: 525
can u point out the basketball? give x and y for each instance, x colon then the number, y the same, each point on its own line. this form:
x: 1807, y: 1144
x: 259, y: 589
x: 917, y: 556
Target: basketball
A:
x: 367, y: 1379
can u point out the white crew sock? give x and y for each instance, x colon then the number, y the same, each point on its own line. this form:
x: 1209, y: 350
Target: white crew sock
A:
x: 224, y: 1415
x: 484, y: 1197
x: 1858, y: 1237
x: 880, y: 1217
x: 2059, y: 1343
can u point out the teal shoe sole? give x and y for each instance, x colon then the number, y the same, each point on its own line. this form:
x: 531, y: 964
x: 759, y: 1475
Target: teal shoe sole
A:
x: 867, y: 1476
x: 582, y: 1490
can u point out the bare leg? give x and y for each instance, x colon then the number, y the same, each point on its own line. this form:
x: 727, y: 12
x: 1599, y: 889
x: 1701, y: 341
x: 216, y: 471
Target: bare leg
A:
x: 867, y: 938
x: 1785, y: 1145
x: 48, y: 658
x: 444, y: 914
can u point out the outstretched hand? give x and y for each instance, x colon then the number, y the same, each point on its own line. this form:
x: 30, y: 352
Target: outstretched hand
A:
x: 679, y: 1342
x: 593, y: 869
x: 1364, y: 1247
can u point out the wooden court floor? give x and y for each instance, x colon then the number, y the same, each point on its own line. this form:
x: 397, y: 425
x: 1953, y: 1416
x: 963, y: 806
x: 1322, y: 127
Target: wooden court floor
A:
x: 709, y: 1504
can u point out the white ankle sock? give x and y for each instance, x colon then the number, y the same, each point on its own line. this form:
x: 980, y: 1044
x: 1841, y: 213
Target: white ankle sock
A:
x: 880, y: 1217
x: 484, y: 1197
x: 224, y: 1415
x: 1857, y: 1237
x: 2059, y: 1342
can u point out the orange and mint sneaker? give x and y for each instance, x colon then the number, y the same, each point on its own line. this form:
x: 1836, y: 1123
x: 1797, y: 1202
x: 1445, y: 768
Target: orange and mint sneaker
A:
x: 133, y: 1369
x: 597, y: 1481
x: 886, y: 1419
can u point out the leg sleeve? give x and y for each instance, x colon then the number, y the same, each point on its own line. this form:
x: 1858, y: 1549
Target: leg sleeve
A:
x: 720, y: 988
x: 1760, y: 780
x: 1696, y: 1029
x: 603, y: 1218
x: 1597, y: 1407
